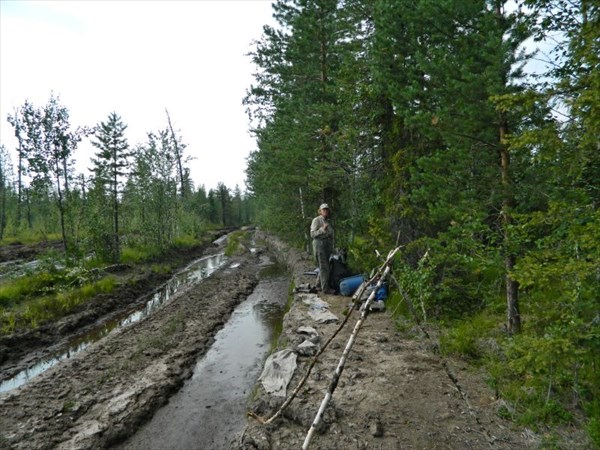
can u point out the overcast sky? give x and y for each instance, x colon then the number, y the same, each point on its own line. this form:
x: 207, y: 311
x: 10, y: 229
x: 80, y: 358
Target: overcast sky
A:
x: 137, y: 58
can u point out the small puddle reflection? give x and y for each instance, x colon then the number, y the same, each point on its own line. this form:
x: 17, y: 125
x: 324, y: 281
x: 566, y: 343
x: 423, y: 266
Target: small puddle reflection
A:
x: 210, y: 408
x: 193, y: 273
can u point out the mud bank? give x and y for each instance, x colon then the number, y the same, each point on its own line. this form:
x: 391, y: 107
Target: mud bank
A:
x: 395, y: 392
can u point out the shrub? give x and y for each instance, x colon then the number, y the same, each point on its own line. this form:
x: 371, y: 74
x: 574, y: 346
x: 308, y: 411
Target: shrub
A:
x: 465, y: 337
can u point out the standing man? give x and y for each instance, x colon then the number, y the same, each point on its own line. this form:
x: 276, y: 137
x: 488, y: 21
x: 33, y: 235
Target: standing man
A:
x: 322, y: 234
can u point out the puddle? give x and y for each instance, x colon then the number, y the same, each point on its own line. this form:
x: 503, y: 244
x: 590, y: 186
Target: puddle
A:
x: 211, y: 406
x: 193, y: 273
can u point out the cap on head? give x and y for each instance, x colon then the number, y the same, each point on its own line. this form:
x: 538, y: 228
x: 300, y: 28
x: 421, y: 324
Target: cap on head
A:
x: 324, y: 206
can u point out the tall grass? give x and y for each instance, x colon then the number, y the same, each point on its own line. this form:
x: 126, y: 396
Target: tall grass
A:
x: 534, y: 393
x: 138, y: 254
x: 32, y: 312
x: 30, y: 237
x: 14, y: 291
x: 185, y: 241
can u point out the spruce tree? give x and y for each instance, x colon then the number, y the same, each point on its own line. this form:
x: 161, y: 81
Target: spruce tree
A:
x: 110, y: 167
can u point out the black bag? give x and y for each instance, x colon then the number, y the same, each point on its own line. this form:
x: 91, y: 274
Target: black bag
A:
x: 337, y: 271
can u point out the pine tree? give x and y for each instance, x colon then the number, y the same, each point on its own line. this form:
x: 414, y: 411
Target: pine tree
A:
x: 294, y: 105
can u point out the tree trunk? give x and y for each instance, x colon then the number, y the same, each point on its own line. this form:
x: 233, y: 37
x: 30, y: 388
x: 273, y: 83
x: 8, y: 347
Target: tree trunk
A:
x: 28, y: 203
x: 115, y: 195
x: 3, y: 208
x: 19, y: 186
x: 117, y: 255
x: 19, y: 169
x: 177, y: 154
x: 512, y: 286
x: 61, y: 207
x: 66, y: 202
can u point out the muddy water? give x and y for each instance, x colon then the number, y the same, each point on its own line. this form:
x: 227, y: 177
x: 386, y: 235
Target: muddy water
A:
x: 193, y: 273
x: 211, y: 407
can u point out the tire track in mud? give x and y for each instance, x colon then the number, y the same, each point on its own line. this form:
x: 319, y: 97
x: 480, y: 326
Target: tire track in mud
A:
x: 100, y: 396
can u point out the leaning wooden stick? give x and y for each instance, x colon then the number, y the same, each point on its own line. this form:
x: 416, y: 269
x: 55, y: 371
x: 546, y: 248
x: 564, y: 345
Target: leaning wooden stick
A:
x: 305, y: 377
x: 340, y: 367
x: 355, y: 300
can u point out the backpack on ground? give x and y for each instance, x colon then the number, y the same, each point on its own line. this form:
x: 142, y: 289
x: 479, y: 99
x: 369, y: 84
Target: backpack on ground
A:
x: 338, y: 270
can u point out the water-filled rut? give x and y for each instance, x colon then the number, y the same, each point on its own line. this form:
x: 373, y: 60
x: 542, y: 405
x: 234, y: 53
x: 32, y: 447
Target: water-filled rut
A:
x: 195, y: 272
x: 210, y: 408
x: 99, y: 398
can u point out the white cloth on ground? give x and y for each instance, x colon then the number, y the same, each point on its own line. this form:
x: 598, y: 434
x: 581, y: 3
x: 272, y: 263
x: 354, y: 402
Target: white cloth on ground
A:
x: 278, y: 371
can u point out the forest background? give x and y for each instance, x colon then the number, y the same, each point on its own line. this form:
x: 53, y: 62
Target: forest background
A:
x: 417, y: 124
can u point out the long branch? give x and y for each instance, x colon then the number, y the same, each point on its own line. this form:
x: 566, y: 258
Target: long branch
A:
x: 340, y: 367
x: 355, y: 300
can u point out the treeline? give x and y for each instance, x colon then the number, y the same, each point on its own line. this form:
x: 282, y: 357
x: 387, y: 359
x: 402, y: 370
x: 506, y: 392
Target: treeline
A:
x: 135, y: 195
x: 416, y: 122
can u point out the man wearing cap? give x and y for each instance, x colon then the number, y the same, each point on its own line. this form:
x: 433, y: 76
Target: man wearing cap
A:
x: 322, y: 234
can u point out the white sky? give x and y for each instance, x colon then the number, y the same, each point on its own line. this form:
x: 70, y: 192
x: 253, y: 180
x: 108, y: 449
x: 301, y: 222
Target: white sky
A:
x: 136, y: 58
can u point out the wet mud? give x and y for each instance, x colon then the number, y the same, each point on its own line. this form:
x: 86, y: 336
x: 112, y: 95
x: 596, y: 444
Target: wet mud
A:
x: 102, y: 395
x: 21, y: 349
x: 195, y: 272
x: 211, y: 406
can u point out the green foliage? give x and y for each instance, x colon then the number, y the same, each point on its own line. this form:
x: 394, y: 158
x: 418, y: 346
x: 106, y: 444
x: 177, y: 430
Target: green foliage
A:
x: 593, y: 425
x: 137, y: 196
x: 489, y: 180
x: 185, y: 241
x: 29, y: 237
x: 110, y: 167
x: 530, y: 404
x: 362, y: 255
x: 412, y: 120
x: 47, y: 144
x: 49, y: 278
x: 161, y: 268
x: 138, y: 254
x: 467, y: 337
x: 15, y: 290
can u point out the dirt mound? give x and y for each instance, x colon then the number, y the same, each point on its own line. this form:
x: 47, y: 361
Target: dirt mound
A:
x: 395, y: 392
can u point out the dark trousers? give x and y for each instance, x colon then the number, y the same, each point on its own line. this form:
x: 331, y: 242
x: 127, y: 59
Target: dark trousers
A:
x: 322, y: 249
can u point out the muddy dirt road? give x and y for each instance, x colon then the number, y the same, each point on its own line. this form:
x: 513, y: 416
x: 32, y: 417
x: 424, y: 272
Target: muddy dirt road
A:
x: 396, y: 392
x: 99, y: 396
x: 211, y: 406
